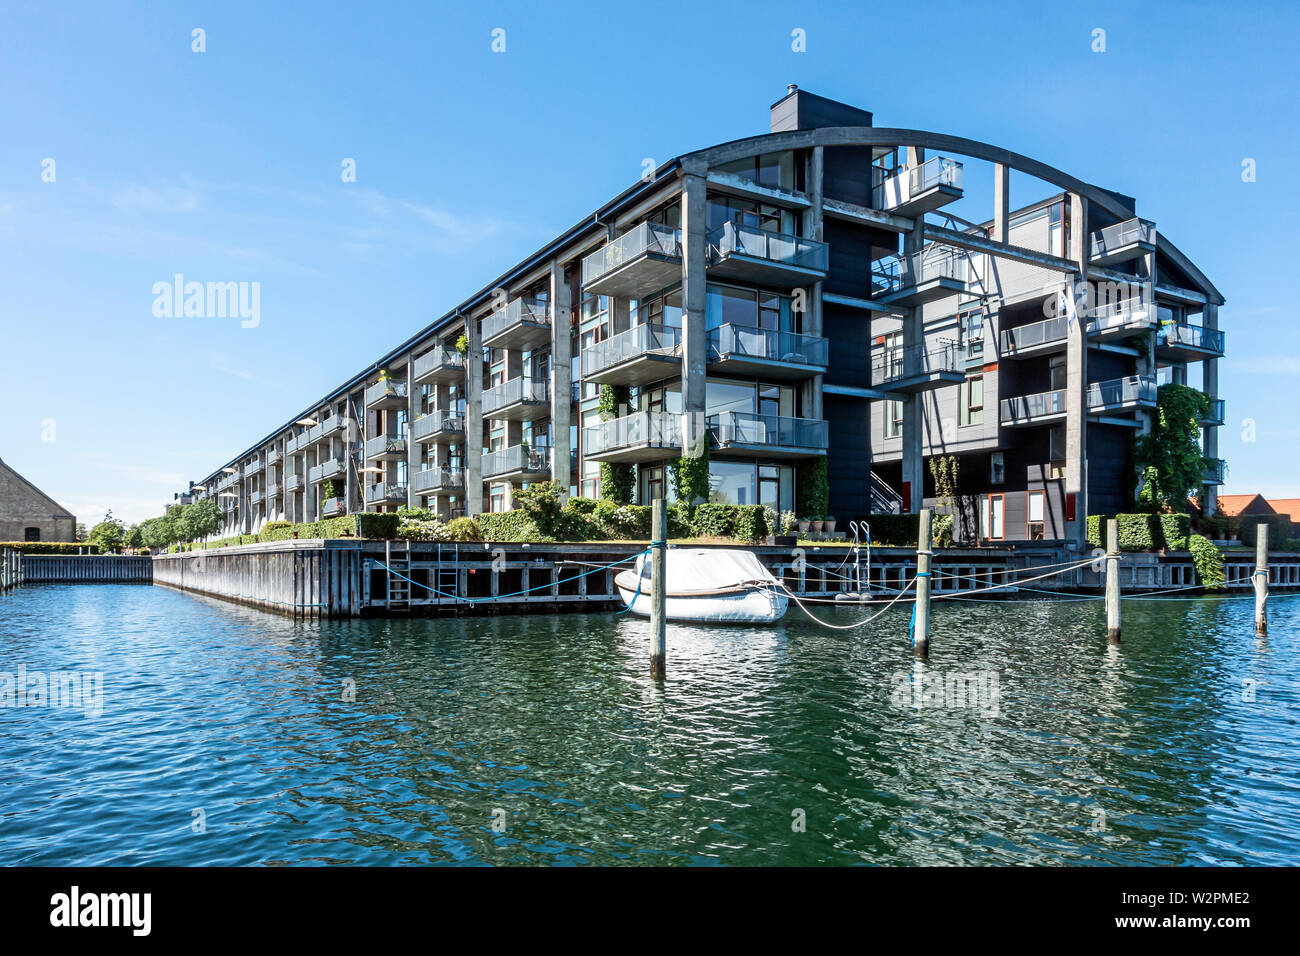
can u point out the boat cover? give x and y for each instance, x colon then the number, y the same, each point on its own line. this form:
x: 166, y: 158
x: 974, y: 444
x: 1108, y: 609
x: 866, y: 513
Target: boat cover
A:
x: 695, y: 570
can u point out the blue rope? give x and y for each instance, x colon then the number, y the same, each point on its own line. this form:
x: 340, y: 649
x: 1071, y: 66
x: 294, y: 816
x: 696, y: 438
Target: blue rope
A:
x: 640, y: 577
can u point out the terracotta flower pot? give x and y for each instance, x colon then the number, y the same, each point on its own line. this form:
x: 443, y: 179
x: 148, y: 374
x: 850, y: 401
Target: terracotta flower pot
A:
x: 828, y: 525
x: 817, y: 527
x: 803, y: 524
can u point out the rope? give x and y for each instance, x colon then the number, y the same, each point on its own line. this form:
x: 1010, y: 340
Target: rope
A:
x: 640, y: 577
x: 842, y: 627
x: 1015, y: 584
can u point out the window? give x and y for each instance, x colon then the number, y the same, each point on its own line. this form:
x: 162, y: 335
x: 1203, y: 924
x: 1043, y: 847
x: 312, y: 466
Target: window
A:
x: 972, y: 332
x: 972, y: 404
x: 894, y: 421
x: 497, y: 497
x: 1036, y: 520
x: 31, y: 534
x: 769, y: 169
x: 997, y: 468
x: 747, y: 212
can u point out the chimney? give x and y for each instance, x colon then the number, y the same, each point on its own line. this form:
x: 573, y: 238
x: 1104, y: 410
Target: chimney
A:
x: 799, y: 109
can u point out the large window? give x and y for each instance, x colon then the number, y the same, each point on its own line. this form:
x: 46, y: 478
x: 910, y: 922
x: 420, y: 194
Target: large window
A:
x: 972, y: 400
x: 748, y: 398
x: 776, y: 170
x: 751, y: 483
x: 661, y: 310
x: 747, y: 212
x: 750, y: 308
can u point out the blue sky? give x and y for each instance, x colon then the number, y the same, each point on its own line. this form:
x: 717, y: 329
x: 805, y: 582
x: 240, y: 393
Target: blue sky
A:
x: 225, y: 166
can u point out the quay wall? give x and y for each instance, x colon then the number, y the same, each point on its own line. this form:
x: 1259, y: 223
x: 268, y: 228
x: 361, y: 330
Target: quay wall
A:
x: 86, y: 569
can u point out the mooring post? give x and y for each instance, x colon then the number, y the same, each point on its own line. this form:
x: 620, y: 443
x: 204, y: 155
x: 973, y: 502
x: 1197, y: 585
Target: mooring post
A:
x: 658, y: 588
x: 921, y: 624
x: 1112, y: 581
x: 1261, y: 578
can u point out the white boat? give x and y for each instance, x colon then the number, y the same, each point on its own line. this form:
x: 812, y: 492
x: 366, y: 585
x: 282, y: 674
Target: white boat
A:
x: 709, y: 586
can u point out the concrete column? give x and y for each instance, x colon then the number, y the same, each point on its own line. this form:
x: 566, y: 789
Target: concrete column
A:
x: 473, y: 419
x: 694, y: 226
x: 812, y: 316
x: 1001, y: 202
x: 561, y: 377
x: 1076, y: 380
x: 913, y: 417
x: 1210, y: 493
x: 412, y: 449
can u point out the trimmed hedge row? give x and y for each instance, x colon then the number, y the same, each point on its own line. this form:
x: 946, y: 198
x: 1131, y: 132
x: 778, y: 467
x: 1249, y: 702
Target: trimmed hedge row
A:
x: 585, y: 519
x: 367, y: 525
x: 1143, y: 532
x: 51, y: 547
x: 1279, y: 530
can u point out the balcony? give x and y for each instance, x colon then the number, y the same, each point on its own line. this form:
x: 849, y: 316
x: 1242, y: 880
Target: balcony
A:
x: 766, y: 352
x: 228, y: 481
x: 1217, y: 415
x: 386, y: 493
x: 295, y: 443
x: 326, y: 429
x: 522, y: 324
x: 517, y: 462
x: 254, y: 497
x: 918, y: 368
x: 1119, y: 394
x: 641, y: 436
x: 1216, y: 471
x: 645, y: 259
x: 388, y: 393
x: 637, y: 356
x: 293, y: 482
x: 273, y: 456
x: 1123, y: 242
x: 922, y: 189
x: 326, y: 470
x: 385, y: 448
x: 273, y: 489
x: 518, y: 399
x: 934, y: 273
x: 1032, y: 409
x: 772, y: 435
x: 254, y: 466
x: 437, y: 425
x: 1117, y: 320
x: 439, y: 364
x: 1036, y: 338
x: 438, y: 481
x: 333, y: 508
x: 753, y: 255
x: 1188, y: 343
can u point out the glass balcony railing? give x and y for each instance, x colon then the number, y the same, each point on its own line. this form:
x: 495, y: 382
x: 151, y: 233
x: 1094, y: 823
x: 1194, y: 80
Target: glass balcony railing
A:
x: 1122, y: 235
x: 743, y: 428
x: 385, y: 492
x: 438, y: 422
x: 1122, y: 392
x: 438, y: 361
x: 292, y: 482
x: 1023, y: 408
x: 517, y: 459
x: 640, y: 429
x: 333, y: 507
x: 739, y: 341
x: 521, y: 390
x: 388, y: 391
x: 648, y: 238
x: 653, y: 340
x: 1216, y: 471
x: 329, y: 427
x: 385, y: 446
x: 896, y: 273
x: 332, y: 468
x: 433, y: 480
x: 273, y: 456
x: 1191, y: 337
x: 734, y: 239
x: 1217, y: 414
x: 517, y: 315
x: 1134, y: 314
x: 900, y: 188
x: 899, y: 363
x: 1035, y: 335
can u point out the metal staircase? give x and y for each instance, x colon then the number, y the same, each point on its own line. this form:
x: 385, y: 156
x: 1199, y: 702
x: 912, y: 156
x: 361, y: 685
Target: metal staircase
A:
x: 883, y: 499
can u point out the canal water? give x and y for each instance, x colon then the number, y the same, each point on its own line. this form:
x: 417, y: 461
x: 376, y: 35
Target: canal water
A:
x: 231, y: 736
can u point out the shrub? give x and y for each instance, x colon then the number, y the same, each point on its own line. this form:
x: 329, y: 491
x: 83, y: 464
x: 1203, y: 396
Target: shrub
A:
x: 1175, y: 528
x: 421, y: 529
x: 813, y: 491
x: 1279, y: 529
x: 1137, y: 532
x: 750, y: 523
x: 1213, y: 526
x: 540, y: 501
x: 508, y: 526
x: 51, y: 547
x: 713, y: 520
x: 463, y: 529
x: 1208, y: 562
x: 940, y: 530
x: 789, y: 523
x: 680, y: 524
x: 690, y: 477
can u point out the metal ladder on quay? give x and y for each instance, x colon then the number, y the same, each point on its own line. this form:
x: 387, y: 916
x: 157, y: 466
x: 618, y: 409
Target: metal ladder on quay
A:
x: 447, y: 579
x: 398, y: 589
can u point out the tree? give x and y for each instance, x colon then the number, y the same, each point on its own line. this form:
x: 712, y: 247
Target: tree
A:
x: 108, y: 534
x: 201, y: 519
x: 133, y: 538
x: 1169, y: 458
x: 80, y: 534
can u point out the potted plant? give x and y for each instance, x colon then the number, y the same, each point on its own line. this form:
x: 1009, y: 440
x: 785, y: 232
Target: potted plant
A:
x: 817, y: 525
x: 829, y: 524
x: 803, y: 524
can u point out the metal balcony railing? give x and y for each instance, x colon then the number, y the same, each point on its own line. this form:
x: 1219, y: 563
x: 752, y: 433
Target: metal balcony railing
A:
x: 648, y: 237
x: 1121, y: 234
x: 1035, y: 334
x: 273, y: 456
x: 385, y: 445
x: 386, y: 389
x: 292, y: 482
x: 661, y: 340
x: 767, y: 344
x: 518, y: 312
x: 385, y: 491
x: 516, y: 459
x: 254, y: 497
x: 323, y: 430
x: 1119, y: 392
x: 1027, y: 407
x: 895, y: 273
x: 333, y: 507
x: 650, y: 429
x: 779, y: 247
x: 273, y: 489
x: 901, y: 187
x: 1191, y: 336
x: 744, y: 428
x: 332, y: 468
x: 253, y: 466
x: 899, y: 363
x: 438, y: 422
x: 437, y: 479
x: 524, y: 389
x: 437, y: 360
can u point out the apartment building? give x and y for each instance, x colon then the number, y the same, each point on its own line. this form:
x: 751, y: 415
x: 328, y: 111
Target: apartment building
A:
x: 823, y: 291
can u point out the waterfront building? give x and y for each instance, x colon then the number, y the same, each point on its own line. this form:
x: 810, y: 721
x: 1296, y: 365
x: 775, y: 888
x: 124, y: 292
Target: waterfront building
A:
x: 29, y: 514
x: 809, y: 302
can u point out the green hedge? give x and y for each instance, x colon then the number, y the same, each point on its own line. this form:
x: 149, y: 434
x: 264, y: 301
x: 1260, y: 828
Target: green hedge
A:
x: 1143, y: 532
x: 902, y: 531
x: 1208, y: 561
x: 51, y: 547
x: 1279, y: 530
